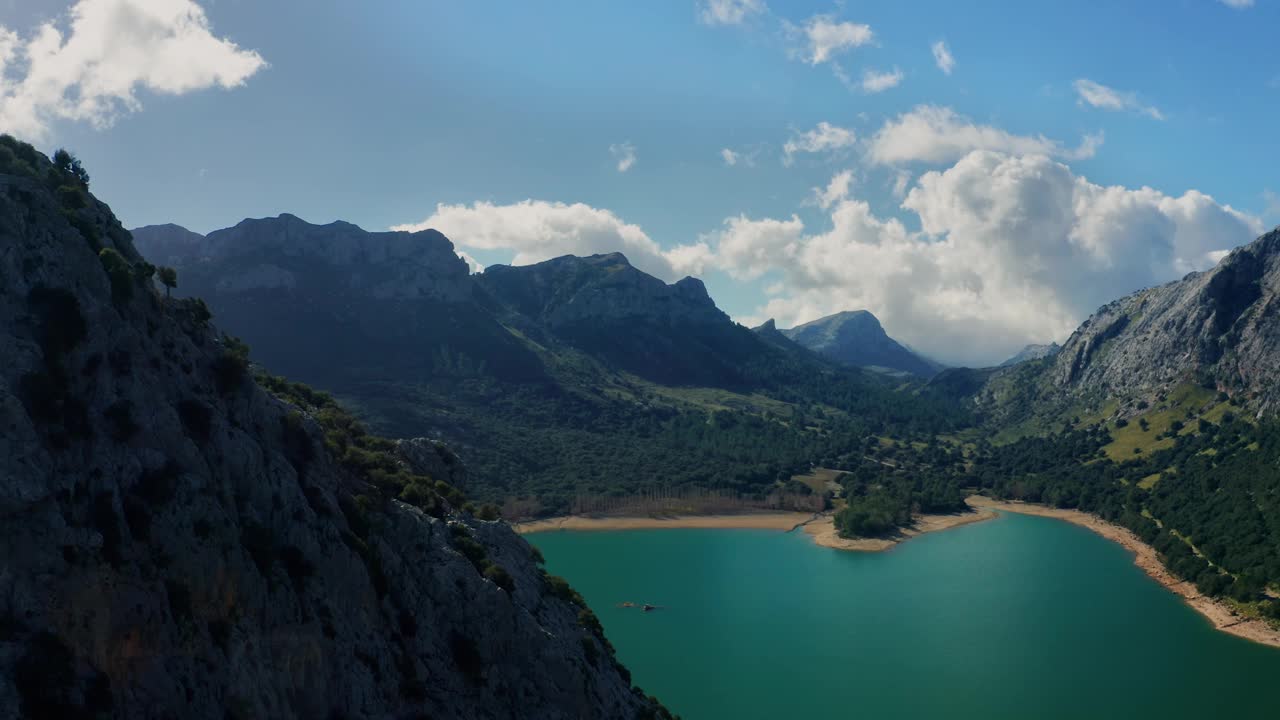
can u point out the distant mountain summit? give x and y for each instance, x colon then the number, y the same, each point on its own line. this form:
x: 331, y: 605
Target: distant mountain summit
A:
x: 1032, y: 352
x: 856, y: 338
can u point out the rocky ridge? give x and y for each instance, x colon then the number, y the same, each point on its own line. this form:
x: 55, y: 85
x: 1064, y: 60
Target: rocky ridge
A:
x: 1032, y: 352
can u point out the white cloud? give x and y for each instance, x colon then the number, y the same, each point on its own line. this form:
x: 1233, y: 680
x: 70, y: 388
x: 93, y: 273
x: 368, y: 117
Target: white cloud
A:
x: 745, y: 157
x: 729, y: 12
x: 933, y: 134
x: 874, y: 81
x: 537, y: 230
x: 747, y: 249
x: 823, y: 138
x: 901, y: 179
x: 625, y: 154
x: 825, y: 38
x: 90, y: 68
x: 475, y: 266
x: 1013, y: 249
x: 1237, y: 4
x: 1105, y: 98
x: 942, y: 56
x: 1271, y: 205
x: 835, y: 191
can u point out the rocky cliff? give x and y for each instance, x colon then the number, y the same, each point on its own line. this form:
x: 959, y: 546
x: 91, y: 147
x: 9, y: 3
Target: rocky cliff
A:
x: 182, y: 539
x: 857, y: 338
x: 1218, y: 329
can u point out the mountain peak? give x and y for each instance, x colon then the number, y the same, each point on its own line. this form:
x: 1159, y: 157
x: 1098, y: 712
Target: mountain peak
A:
x: 855, y: 337
x: 256, y: 254
x: 1032, y: 352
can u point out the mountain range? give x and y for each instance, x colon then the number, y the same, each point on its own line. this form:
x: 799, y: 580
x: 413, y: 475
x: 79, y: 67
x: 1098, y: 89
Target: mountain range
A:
x: 516, y: 364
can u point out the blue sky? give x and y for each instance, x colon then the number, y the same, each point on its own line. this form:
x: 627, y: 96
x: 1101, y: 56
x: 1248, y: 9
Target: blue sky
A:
x: 1020, y: 202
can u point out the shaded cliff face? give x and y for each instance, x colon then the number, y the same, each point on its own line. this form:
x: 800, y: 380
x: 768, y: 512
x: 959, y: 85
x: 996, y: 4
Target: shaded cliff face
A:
x: 856, y: 338
x: 178, y: 540
x: 334, y: 304
x: 574, y: 290
x: 671, y: 334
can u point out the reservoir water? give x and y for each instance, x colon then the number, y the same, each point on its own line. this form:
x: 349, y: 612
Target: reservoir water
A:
x: 1017, y: 617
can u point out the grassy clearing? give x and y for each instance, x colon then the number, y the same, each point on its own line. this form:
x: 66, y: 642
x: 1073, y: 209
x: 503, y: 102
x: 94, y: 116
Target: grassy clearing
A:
x: 1149, y: 481
x: 716, y: 399
x: 820, y: 480
x: 1186, y: 404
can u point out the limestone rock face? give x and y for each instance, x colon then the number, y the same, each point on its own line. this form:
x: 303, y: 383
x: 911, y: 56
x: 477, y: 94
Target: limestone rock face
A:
x: 1032, y: 352
x: 434, y: 459
x: 1219, y: 329
x: 178, y: 542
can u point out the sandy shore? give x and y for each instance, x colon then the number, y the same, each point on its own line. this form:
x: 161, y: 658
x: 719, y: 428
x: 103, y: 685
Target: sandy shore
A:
x: 823, y: 530
x: 820, y: 527
x: 1219, y: 613
x: 741, y: 521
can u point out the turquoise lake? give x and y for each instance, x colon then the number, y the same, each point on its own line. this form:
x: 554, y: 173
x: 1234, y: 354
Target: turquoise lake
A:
x: 1017, y: 617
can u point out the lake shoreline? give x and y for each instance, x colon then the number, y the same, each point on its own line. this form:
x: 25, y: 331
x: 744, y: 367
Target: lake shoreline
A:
x: 820, y: 527
x: 822, y: 530
x: 1218, y: 613
x: 780, y: 520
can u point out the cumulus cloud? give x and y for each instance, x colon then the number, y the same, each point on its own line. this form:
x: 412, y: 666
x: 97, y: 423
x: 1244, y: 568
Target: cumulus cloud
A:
x: 729, y: 12
x: 743, y: 157
x: 943, y: 58
x: 537, y: 230
x: 625, y: 154
x: 835, y: 191
x: 1105, y: 98
x: 91, y: 67
x: 825, y: 38
x: 1012, y: 249
x: 874, y: 81
x: 932, y: 134
x: 747, y: 249
x: 823, y: 138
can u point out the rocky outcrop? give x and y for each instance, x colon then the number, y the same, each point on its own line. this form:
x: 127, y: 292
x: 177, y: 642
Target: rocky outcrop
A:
x: 1217, y: 328
x: 856, y: 338
x: 179, y: 541
x: 1032, y: 352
